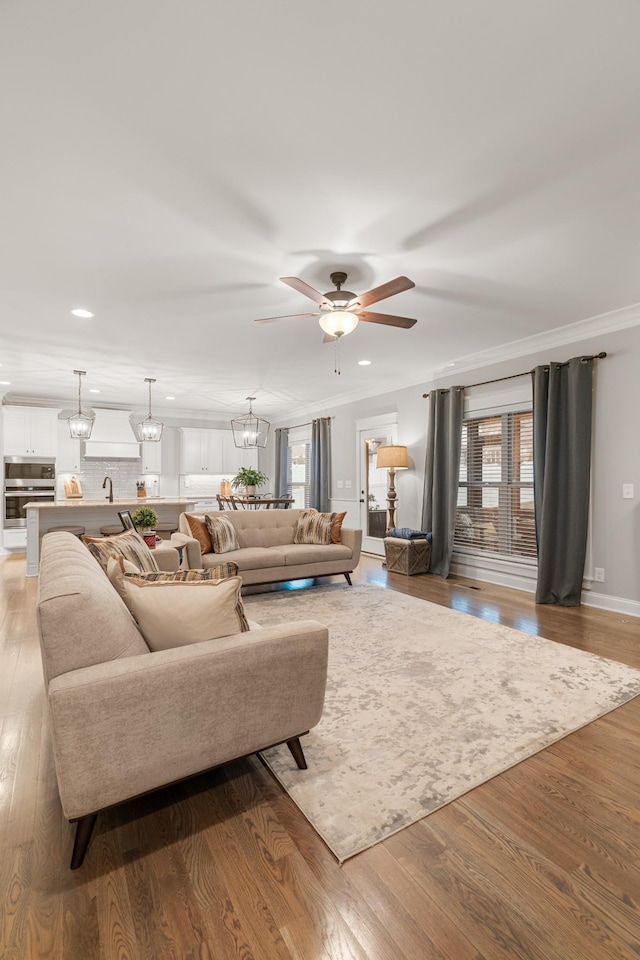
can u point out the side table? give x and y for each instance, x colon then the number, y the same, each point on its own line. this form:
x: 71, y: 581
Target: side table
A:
x: 407, y: 556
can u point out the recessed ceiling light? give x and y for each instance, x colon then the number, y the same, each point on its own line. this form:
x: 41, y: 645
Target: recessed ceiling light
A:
x: 93, y: 390
x: 81, y: 312
x: 364, y: 363
x: 5, y: 383
x: 169, y: 398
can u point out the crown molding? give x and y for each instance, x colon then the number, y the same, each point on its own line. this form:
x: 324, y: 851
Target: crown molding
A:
x: 620, y: 319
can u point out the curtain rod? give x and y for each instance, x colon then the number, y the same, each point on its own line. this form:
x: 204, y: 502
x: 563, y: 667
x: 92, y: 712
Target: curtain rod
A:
x: 513, y: 376
x: 296, y: 426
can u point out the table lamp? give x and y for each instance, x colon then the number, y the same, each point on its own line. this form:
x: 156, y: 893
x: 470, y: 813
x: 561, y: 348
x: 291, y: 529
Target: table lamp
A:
x: 392, y: 458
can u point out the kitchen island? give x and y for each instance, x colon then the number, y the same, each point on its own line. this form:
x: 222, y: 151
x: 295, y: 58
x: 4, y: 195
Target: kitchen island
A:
x: 91, y: 514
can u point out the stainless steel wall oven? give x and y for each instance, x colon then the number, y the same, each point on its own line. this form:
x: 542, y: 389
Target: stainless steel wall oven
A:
x: 26, y: 480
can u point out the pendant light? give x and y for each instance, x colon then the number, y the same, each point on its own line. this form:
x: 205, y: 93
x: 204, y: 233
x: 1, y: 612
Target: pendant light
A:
x: 149, y: 429
x: 250, y: 431
x: 80, y: 424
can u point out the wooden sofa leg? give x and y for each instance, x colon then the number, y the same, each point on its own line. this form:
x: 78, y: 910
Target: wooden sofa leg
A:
x: 348, y: 579
x: 297, y: 753
x: 83, y: 836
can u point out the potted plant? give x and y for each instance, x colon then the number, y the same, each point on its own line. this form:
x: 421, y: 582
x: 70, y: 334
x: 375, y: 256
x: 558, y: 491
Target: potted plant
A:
x: 248, y: 478
x: 145, y: 520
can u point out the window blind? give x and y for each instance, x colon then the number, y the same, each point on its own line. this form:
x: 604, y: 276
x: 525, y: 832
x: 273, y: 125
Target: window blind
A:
x: 495, y: 512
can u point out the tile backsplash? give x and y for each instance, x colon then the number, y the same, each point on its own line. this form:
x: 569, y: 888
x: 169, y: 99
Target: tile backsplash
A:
x: 123, y: 473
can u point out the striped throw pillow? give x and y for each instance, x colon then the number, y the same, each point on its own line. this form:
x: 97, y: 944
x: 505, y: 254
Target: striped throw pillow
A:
x: 314, y: 527
x: 219, y: 572
x: 129, y: 545
x: 222, y: 533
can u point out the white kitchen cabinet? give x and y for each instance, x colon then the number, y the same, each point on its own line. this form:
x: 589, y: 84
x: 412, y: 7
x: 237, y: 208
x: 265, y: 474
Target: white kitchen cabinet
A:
x: 30, y: 432
x: 200, y: 451
x: 152, y: 456
x: 68, y: 458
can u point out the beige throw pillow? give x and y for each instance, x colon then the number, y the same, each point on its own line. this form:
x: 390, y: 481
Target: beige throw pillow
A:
x: 129, y: 545
x: 222, y: 533
x: 176, y: 613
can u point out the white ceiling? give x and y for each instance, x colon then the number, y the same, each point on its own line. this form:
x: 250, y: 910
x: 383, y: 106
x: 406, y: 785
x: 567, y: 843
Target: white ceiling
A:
x: 165, y: 163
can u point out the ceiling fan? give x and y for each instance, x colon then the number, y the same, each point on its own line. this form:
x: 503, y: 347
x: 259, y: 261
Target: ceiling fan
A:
x: 340, y: 310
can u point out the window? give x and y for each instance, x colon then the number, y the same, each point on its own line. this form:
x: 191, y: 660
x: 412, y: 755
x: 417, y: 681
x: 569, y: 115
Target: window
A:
x: 495, y: 493
x: 299, y: 472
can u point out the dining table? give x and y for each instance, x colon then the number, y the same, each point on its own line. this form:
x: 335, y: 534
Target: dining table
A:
x: 261, y: 503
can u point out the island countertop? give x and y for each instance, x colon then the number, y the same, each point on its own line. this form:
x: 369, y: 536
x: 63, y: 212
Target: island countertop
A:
x: 91, y: 513
x: 77, y: 502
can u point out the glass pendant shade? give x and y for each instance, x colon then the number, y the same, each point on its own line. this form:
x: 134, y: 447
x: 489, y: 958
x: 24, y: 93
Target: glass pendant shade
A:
x: 338, y: 323
x: 149, y: 429
x: 250, y: 431
x: 80, y: 424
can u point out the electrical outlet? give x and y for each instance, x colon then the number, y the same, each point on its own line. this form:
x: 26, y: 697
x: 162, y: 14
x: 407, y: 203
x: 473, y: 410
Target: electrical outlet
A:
x: 340, y: 484
x: 598, y: 574
x: 347, y: 484
x: 627, y: 491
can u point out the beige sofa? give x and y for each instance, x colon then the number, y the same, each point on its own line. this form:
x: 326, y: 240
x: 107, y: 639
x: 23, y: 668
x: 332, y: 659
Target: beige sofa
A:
x: 127, y: 721
x: 267, y: 552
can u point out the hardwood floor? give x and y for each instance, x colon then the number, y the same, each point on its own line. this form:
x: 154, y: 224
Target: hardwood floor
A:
x: 539, y: 863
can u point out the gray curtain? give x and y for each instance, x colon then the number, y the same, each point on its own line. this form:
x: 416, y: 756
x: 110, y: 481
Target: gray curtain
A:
x: 442, y: 474
x: 281, y: 479
x: 320, y: 479
x: 562, y: 401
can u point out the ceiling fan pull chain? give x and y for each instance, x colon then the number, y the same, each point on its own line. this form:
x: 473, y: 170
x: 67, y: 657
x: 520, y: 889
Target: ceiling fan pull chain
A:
x: 336, y: 362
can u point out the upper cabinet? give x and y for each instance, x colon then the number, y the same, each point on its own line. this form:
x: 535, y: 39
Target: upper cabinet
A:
x: 30, y: 432
x: 200, y: 451
x: 213, y: 451
x: 151, y: 456
x: 68, y: 460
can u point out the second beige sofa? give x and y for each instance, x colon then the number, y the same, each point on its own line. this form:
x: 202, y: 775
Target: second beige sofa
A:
x: 267, y: 553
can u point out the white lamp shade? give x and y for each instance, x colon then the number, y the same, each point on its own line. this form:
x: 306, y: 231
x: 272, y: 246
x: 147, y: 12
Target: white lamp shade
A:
x: 393, y: 456
x: 338, y: 323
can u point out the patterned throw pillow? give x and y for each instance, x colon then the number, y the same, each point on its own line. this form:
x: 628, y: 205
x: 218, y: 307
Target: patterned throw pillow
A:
x: 219, y: 572
x: 129, y: 545
x: 222, y: 533
x: 199, y: 532
x: 314, y: 527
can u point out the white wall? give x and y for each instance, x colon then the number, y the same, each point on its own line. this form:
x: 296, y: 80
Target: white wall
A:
x: 615, y: 534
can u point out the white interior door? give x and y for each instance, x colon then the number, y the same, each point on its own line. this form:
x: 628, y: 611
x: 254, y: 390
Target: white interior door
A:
x: 373, y: 482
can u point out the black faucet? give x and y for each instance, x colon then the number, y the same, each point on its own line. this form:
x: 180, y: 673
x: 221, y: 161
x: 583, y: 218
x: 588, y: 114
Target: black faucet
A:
x: 104, y: 483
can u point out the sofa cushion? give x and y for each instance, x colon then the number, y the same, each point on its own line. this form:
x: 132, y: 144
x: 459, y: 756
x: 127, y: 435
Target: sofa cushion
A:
x: 263, y: 528
x: 314, y: 527
x: 297, y: 553
x: 249, y: 558
x: 82, y: 620
x: 223, y: 536
x: 129, y: 545
x: 198, y: 529
x: 177, y: 613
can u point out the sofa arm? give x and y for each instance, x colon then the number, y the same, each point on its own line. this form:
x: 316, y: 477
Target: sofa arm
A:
x: 132, y: 725
x: 352, y: 539
x: 192, y: 551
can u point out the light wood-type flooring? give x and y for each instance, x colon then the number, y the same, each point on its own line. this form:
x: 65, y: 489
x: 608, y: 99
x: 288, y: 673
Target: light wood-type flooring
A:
x: 541, y: 862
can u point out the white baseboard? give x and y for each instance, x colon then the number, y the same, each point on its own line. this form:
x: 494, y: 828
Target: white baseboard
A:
x: 526, y: 580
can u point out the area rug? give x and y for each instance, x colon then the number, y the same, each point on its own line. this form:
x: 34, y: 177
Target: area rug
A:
x: 424, y: 703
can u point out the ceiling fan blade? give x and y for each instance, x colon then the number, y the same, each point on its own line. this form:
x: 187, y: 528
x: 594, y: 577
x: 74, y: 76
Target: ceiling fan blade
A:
x: 286, y: 316
x: 386, y: 290
x: 387, y: 319
x: 306, y: 290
